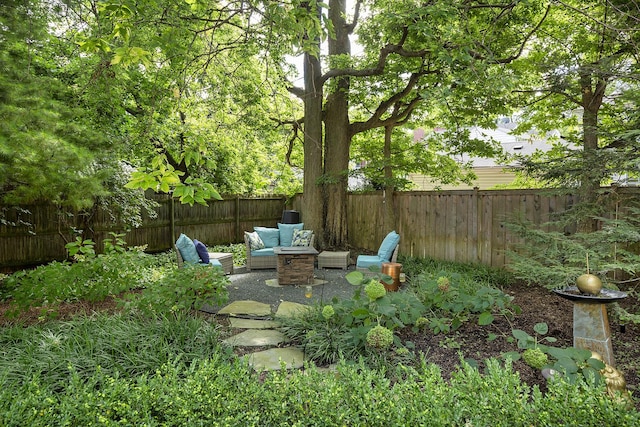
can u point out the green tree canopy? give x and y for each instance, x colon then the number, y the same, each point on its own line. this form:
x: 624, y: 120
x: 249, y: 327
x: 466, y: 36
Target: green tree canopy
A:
x: 50, y: 146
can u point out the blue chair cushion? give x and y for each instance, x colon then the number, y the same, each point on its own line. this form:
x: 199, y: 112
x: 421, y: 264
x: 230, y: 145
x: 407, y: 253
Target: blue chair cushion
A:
x: 388, y: 245
x: 187, y: 249
x: 286, y: 232
x: 263, y: 252
x: 203, y: 253
x: 270, y: 236
x: 213, y: 263
x: 365, y: 261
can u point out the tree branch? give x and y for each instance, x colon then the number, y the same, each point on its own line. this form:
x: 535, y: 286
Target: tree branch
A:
x: 356, y: 15
x: 477, y: 55
x: 380, y: 64
x: 395, y: 100
x: 296, y: 91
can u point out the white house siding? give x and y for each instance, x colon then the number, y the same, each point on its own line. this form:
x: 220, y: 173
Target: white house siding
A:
x: 487, y: 178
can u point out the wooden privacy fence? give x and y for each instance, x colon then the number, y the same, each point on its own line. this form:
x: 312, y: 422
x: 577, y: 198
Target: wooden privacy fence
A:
x: 221, y: 222
x: 464, y: 226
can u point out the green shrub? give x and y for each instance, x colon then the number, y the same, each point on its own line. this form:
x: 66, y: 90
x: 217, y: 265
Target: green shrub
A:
x: 453, y: 298
x: 554, y: 259
x: 223, y: 393
x: 80, y: 249
x: 181, y: 290
x: 571, y: 363
x: 327, y: 338
x: 93, y: 279
x: 497, y: 277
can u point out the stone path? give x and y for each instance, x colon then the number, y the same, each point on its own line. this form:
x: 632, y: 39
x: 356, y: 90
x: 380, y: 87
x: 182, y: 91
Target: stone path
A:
x: 260, y: 330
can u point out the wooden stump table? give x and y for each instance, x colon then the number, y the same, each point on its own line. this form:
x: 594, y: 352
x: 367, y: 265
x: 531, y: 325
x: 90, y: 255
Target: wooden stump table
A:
x: 295, y: 264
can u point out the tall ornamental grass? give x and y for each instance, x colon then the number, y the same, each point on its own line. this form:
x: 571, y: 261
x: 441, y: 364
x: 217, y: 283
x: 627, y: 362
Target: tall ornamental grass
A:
x: 123, y: 346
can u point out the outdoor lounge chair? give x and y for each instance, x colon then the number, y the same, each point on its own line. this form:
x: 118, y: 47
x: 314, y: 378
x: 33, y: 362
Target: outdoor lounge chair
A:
x: 188, y: 252
x: 388, y: 252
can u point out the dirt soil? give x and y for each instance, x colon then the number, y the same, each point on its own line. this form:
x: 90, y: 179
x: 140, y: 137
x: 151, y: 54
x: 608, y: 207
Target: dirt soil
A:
x: 538, y: 305
x: 470, y: 341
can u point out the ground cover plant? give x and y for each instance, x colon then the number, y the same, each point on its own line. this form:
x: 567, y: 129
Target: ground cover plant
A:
x: 119, y: 345
x: 132, y: 368
x: 158, y: 284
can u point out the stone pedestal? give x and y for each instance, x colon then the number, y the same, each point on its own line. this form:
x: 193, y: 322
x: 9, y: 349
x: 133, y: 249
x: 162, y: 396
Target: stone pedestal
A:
x: 591, y: 330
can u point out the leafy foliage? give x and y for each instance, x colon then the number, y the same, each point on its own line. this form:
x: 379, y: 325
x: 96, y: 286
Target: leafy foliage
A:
x: 121, y: 345
x: 555, y: 259
x: 452, y: 299
x: 92, y: 279
x: 178, y: 395
x: 582, y: 88
x: 48, y: 143
x: 80, y: 249
x: 414, y: 266
x: 569, y: 363
x: 342, y: 328
x: 182, y: 290
x: 164, y: 288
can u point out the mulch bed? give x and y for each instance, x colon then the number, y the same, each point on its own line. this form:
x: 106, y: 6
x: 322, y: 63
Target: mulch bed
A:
x: 538, y: 305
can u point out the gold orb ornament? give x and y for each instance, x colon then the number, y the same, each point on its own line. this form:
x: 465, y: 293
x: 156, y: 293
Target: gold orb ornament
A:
x: 589, y: 284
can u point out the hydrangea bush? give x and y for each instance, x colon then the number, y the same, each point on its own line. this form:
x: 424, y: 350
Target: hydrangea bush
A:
x: 352, y: 327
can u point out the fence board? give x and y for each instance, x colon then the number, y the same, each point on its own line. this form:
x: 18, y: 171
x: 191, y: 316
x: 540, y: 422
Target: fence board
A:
x: 473, y: 254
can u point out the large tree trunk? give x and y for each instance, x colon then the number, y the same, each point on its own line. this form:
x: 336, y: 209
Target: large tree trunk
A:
x: 337, y: 137
x: 389, y: 211
x: 592, y: 173
x: 312, y: 212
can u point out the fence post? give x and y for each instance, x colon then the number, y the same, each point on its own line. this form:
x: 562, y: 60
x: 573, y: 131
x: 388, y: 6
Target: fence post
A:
x: 238, y: 236
x: 172, y: 220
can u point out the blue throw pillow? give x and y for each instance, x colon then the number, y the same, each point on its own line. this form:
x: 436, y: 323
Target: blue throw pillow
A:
x: 286, y: 232
x: 203, y: 253
x: 187, y: 249
x: 388, y: 245
x: 270, y: 236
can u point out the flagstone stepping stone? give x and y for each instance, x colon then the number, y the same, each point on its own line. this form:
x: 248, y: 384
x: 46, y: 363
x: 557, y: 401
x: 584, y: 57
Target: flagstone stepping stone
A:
x: 255, y: 338
x: 246, y: 308
x: 240, y: 323
x: 289, y: 309
x: 271, y: 360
